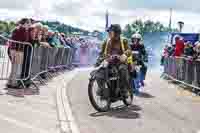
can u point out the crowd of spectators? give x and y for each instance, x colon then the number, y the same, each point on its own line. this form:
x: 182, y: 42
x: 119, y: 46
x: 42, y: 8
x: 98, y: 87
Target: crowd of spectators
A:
x: 182, y: 48
x: 39, y: 35
x: 28, y: 30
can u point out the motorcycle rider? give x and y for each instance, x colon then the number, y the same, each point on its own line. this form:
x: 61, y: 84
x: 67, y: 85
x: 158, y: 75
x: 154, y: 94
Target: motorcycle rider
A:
x: 137, y: 45
x: 114, y: 45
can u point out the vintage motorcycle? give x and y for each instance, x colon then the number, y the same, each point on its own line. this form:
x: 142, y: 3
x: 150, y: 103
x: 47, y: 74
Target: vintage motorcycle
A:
x: 112, y: 87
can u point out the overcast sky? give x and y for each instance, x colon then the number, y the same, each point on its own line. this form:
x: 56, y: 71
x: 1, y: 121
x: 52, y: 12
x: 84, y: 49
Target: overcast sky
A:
x: 90, y: 14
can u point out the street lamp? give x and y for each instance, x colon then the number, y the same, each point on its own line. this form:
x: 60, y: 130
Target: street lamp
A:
x: 180, y: 24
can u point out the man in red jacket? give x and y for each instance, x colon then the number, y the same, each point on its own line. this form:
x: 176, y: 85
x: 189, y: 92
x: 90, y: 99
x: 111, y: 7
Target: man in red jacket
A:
x: 179, y: 49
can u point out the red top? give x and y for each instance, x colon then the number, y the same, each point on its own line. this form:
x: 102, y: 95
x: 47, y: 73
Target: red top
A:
x: 179, y: 48
x: 20, y: 34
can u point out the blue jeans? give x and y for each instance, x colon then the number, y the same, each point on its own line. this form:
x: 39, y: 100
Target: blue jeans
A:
x: 136, y: 82
x: 142, y: 77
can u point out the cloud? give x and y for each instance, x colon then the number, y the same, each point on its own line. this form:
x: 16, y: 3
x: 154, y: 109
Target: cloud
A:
x: 90, y: 14
x: 68, y: 8
x: 178, y: 5
x: 15, y: 4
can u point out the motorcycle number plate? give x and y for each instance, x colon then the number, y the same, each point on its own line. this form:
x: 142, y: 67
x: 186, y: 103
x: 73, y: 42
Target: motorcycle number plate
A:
x: 113, y: 78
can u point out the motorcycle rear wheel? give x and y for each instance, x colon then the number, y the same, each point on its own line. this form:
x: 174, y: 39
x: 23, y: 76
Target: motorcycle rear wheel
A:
x: 128, y: 101
x: 93, y: 94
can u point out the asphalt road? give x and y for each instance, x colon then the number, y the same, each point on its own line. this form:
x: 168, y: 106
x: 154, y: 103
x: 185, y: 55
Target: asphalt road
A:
x: 30, y: 114
x: 162, y: 108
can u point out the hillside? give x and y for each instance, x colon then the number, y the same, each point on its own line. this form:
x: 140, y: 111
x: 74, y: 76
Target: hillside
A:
x: 67, y: 29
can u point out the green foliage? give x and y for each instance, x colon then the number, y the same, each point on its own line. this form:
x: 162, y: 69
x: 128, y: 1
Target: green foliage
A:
x: 6, y: 27
x: 57, y: 26
x: 146, y: 26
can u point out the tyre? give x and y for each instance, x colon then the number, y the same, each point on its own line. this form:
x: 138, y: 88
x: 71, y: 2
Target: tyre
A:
x: 93, y: 97
x: 128, y: 101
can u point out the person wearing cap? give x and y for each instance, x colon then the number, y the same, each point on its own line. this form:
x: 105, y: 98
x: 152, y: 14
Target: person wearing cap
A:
x: 114, y: 45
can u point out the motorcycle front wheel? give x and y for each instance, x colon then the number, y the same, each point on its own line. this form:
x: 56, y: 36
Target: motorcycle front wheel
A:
x: 99, y: 104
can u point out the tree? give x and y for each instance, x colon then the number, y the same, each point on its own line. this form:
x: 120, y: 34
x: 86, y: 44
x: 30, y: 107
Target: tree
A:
x: 146, y: 26
x: 149, y: 26
x: 6, y: 27
x: 67, y: 29
x: 139, y: 25
x: 9, y: 27
x: 2, y: 27
x: 128, y: 31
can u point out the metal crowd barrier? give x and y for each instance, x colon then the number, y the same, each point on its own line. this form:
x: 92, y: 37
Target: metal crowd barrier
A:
x: 16, y: 58
x: 20, y: 62
x: 183, y: 70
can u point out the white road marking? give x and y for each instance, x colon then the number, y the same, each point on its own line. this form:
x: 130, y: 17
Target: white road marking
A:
x: 67, y: 108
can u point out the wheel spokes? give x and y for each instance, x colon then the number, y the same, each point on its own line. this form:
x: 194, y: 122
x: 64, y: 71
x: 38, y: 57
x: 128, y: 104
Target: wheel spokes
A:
x: 101, y: 102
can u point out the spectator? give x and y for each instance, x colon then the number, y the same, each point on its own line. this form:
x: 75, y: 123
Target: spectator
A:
x: 165, y: 54
x: 188, y: 49
x: 43, y: 40
x: 50, y: 38
x: 20, y: 34
x: 197, y: 51
x: 39, y: 35
x: 179, y: 48
x: 84, y: 52
x: 68, y: 43
x: 171, y: 49
x: 34, y: 36
x: 55, y: 40
x: 45, y: 33
x: 62, y: 40
x: 37, y: 27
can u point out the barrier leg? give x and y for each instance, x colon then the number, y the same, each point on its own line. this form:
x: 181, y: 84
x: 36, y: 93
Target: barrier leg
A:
x: 49, y: 75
